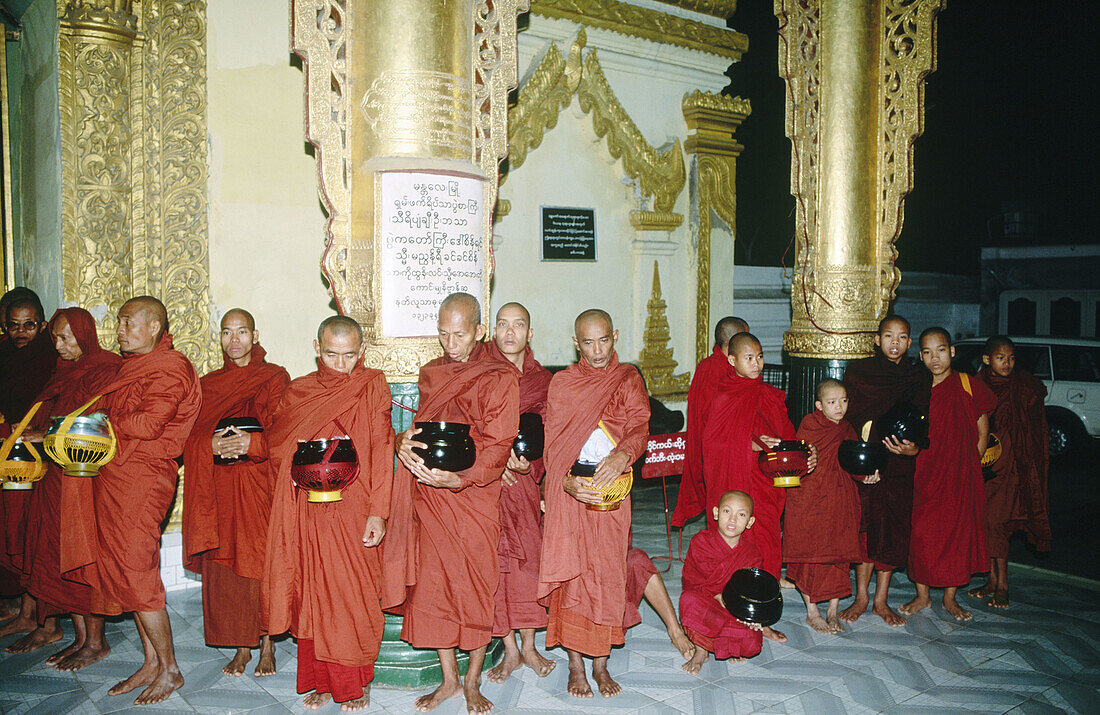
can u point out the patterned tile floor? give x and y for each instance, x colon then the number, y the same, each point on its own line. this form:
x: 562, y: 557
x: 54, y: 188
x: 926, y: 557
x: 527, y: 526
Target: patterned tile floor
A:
x: 1041, y: 655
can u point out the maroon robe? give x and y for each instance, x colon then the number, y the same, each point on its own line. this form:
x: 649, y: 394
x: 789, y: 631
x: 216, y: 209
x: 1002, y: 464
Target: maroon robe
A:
x: 691, y: 500
x: 709, y: 564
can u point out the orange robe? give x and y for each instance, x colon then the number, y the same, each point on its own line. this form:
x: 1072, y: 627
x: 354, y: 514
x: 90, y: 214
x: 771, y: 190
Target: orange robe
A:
x: 449, y: 547
x: 320, y: 582
x: 152, y: 404
x: 73, y: 383
x: 691, y: 500
x: 516, y: 598
x: 226, y: 507
x: 709, y: 564
x: 583, y: 575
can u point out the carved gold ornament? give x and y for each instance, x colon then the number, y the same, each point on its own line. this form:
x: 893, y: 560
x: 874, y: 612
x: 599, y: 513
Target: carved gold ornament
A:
x: 718, y: 8
x: 655, y: 361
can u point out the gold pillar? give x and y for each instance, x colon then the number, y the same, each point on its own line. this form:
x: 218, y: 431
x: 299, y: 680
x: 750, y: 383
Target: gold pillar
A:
x: 854, y: 71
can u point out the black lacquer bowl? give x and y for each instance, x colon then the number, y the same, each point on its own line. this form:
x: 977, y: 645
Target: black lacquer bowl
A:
x: 752, y: 595
x: 529, y: 442
x: 244, y: 424
x: 450, y: 446
x: 904, y: 421
x: 323, y: 467
x: 862, y: 458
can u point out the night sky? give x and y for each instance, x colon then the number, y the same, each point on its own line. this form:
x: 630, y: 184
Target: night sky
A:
x: 1007, y: 120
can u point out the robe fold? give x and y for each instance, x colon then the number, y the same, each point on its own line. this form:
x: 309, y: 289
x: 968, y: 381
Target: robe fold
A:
x: 639, y: 569
x: 708, y: 566
x: 320, y: 582
x: 1016, y: 499
x: 583, y: 574
x: 451, y: 537
x: 226, y: 507
x: 821, y: 518
x: 54, y: 499
x: 691, y: 499
x: 948, y: 542
x: 516, y: 597
x: 744, y: 409
x: 874, y: 386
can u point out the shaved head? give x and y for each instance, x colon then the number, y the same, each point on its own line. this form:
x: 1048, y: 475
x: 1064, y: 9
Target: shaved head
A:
x: 151, y: 308
x: 592, y: 315
x: 463, y: 304
x: 728, y: 327
x: 893, y: 319
x: 242, y: 314
x: 737, y: 495
x: 741, y: 340
x: 339, y: 326
x: 515, y: 306
x: 20, y: 296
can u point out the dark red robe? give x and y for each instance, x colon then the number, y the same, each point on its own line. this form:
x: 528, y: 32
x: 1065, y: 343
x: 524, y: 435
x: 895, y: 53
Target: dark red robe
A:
x: 948, y: 543
x: 691, y: 499
x: 226, y: 507
x: 516, y: 597
x: 320, y: 582
x: 709, y: 564
x: 583, y: 575
x: 1016, y: 499
x: 744, y: 409
x: 821, y: 518
x: 639, y: 569
x: 874, y: 386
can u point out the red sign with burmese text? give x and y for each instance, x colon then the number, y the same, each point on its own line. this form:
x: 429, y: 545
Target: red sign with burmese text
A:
x: 664, y: 455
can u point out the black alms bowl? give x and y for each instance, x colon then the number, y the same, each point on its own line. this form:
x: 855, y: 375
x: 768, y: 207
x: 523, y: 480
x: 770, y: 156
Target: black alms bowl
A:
x: 752, y: 595
x: 244, y: 424
x: 529, y: 442
x: 862, y: 458
x: 450, y: 446
x: 906, y: 422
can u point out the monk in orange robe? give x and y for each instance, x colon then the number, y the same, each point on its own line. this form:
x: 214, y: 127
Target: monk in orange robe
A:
x: 323, y: 572
x: 597, y: 408
x: 226, y: 507
x: 152, y: 404
x: 948, y: 542
x: 83, y: 368
x: 691, y: 499
x: 454, y: 526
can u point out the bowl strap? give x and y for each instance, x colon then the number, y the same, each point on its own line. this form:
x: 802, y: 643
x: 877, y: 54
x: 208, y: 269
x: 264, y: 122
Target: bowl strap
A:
x: 9, y: 442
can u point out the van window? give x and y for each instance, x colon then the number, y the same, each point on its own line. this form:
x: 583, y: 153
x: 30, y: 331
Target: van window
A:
x: 1035, y: 359
x: 1076, y: 363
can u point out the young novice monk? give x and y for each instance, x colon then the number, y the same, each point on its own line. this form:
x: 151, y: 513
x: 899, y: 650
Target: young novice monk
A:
x: 948, y: 541
x: 821, y: 523
x: 713, y: 556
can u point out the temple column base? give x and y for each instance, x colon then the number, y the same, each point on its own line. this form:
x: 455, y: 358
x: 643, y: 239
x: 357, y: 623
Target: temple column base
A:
x: 805, y: 373
x: 401, y: 666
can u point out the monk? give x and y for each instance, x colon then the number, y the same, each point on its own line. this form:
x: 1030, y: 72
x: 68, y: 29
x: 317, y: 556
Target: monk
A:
x: 821, y: 518
x: 517, y: 606
x: 83, y: 369
x: 875, y: 385
x: 1016, y: 498
x: 713, y: 556
x: 323, y: 571
x: 746, y: 416
x: 455, y: 521
x: 948, y: 541
x: 27, y: 360
x: 597, y: 408
x: 152, y: 404
x: 691, y: 500
x: 226, y: 507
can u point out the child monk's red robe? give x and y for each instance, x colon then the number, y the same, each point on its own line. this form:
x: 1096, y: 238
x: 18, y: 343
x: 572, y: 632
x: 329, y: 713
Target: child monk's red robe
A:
x: 55, y: 497
x: 948, y: 542
x: 1016, y: 499
x: 583, y: 575
x: 516, y: 598
x: 709, y: 564
x: 692, y: 498
x: 744, y: 409
x: 320, y: 582
x: 226, y: 507
x: 821, y: 519
x: 639, y: 569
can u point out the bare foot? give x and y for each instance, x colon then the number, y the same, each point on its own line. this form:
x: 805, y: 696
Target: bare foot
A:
x: 236, y: 666
x: 818, y: 624
x: 1000, y: 599
x: 35, y: 640
x: 917, y: 604
x: 784, y: 583
x: 834, y: 624
x: 982, y: 592
x: 500, y: 673
x: 578, y: 684
x: 166, y: 683
x: 475, y: 701
x: 854, y: 611
x: 87, y: 655
x: 682, y: 642
x: 64, y: 652
x: 143, y: 676
x: 774, y: 635
x: 266, y: 664
x: 693, y: 665
x: 957, y: 612
x: 887, y: 614
x: 608, y: 687
x: 538, y: 663
x: 9, y: 608
x: 360, y: 703
x: 435, y: 698
x: 19, y: 625
x: 315, y: 701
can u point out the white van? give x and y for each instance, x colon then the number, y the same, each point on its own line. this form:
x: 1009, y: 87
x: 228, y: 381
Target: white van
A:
x: 1070, y: 368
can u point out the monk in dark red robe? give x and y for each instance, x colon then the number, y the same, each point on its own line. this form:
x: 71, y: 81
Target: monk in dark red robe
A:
x: 948, y: 542
x: 226, y: 507
x: 323, y: 574
x: 454, y: 527
x: 643, y: 581
x: 1016, y: 498
x: 83, y: 369
x: 27, y: 360
x: 713, y: 556
x: 875, y: 385
x: 596, y: 407
x: 691, y: 499
x: 821, y: 517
